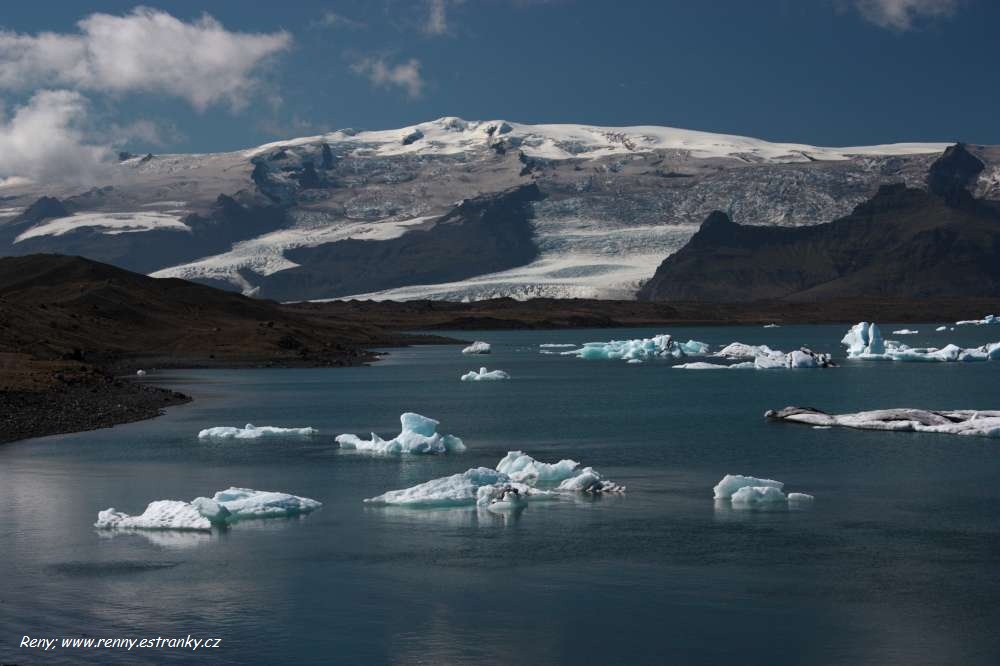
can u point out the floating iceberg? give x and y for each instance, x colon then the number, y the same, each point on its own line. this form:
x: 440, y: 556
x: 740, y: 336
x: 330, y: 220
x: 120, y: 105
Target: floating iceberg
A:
x: 941, y: 328
x: 905, y: 331
x: 253, y: 432
x: 985, y: 321
x: 801, y: 358
x: 226, y: 507
x: 701, y: 365
x: 140, y: 373
x: 484, y: 375
x: 959, y: 422
x: 750, y: 491
x: 523, y: 468
x: 478, y: 347
x: 771, y: 326
x: 557, y: 345
x: 418, y: 435
x: 864, y: 341
x: 640, y: 349
x: 481, y: 485
x: 738, y: 350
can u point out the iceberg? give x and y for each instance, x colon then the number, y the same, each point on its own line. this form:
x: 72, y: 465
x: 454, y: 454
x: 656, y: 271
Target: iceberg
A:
x: 140, y: 373
x: 481, y: 485
x: 738, y: 350
x: 478, y: 347
x: 905, y: 331
x: 484, y: 375
x: 958, y: 422
x: 253, y: 432
x: 941, y: 328
x: 418, y: 435
x: 700, y: 365
x: 801, y: 358
x: 557, y: 345
x: 202, y: 513
x: 640, y: 349
x: 523, y: 468
x: 985, y: 321
x: 772, y: 326
x: 865, y: 342
x: 751, y: 491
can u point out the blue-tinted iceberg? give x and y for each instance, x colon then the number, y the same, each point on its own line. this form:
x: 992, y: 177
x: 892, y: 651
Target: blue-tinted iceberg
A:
x: 864, y: 341
x: 484, y: 375
x: 478, y: 347
x: 905, y: 331
x: 959, y: 422
x: 418, y: 435
x: 481, y: 486
x: 253, y: 432
x: 224, y: 508
x: 640, y: 349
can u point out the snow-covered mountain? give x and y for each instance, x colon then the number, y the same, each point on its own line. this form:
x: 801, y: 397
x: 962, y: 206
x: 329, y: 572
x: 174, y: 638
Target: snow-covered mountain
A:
x: 448, y: 208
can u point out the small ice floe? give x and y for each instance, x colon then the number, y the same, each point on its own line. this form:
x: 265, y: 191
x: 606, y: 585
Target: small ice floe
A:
x: 763, y: 357
x: 750, y: 490
x: 640, y: 349
x: 478, y: 347
x: 481, y: 486
x: 251, y: 431
x: 864, y: 341
x: 941, y: 328
x: 557, y: 345
x: 140, y: 373
x: 739, y: 350
x: 484, y: 375
x: 958, y: 422
x: 905, y: 331
x: 202, y: 513
x: 418, y: 434
x: 771, y: 326
x: 985, y: 321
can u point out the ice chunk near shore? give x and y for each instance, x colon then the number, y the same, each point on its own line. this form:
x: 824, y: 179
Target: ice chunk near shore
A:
x: 418, y: 435
x: 905, y: 331
x: 985, y: 321
x: 478, y: 347
x: 641, y: 349
x: 958, y: 422
x: 772, y: 326
x: 159, y: 515
x: 253, y: 432
x: 484, y: 375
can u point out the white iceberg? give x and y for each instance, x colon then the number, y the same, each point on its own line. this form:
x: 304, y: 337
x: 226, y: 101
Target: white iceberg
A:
x: 253, y: 432
x: 905, y: 331
x: 739, y: 350
x: 800, y: 358
x: 478, y: 347
x: 700, y: 365
x: 484, y: 375
x: 159, y: 515
x: 731, y: 483
x: 640, y: 349
x: 864, y: 341
x: 418, y: 435
x: 226, y: 507
x: 481, y: 485
x: 523, y: 468
x: 140, y: 373
x: 751, y: 491
x: 958, y: 422
x: 985, y: 321
x: 557, y: 345
x: 772, y: 326
x: 941, y: 328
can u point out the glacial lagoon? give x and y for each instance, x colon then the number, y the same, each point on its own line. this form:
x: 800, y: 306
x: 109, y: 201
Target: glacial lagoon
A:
x: 895, y: 561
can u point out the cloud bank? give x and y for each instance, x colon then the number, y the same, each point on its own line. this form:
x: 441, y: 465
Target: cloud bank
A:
x: 902, y: 15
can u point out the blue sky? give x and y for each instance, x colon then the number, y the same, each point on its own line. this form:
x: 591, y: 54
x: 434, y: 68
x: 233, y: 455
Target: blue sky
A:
x: 830, y: 72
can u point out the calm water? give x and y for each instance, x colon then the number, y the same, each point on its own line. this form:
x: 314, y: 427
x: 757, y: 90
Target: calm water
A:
x: 896, y: 562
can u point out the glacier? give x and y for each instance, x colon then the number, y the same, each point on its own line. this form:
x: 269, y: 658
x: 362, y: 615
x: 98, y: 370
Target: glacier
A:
x: 974, y: 423
x: 418, y: 434
x: 478, y: 347
x: 224, y: 508
x: 251, y: 431
x: 864, y: 341
x: 484, y: 375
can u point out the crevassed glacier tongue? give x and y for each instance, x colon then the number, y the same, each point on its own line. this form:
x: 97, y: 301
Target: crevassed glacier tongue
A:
x: 418, y: 435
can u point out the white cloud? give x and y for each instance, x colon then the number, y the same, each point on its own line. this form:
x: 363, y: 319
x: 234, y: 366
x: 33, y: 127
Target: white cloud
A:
x: 44, y: 140
x: 146, y: 50
x: 902, y: 14
x: 404, y: 75
x: 437, y: 18
x: 334, y: 20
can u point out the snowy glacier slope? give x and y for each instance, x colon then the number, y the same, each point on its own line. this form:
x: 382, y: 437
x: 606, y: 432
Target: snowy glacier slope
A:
x: 289, y: 219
